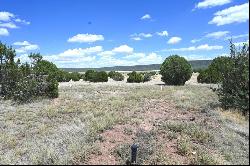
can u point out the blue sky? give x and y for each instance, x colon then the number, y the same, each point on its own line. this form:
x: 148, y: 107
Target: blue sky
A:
x: 97, y: 33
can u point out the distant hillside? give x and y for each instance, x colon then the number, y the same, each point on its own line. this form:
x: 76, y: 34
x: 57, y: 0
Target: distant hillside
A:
x: 196, y: 64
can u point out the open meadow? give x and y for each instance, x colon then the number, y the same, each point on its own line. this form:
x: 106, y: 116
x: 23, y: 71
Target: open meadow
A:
x: 96, y: 123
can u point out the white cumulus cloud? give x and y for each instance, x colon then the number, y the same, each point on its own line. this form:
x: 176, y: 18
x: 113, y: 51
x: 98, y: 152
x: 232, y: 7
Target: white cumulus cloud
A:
x: 10, y: 25
x: 237, y: 36
x: 136, y: 38
x: 8, y: 21
x: 146, y: 17
x: 4, y: 32
x: 217, y: 35
x: 106, y: 53
x: 152, y: 58
x: 163, y: 33
x: 24, y: 43
x: 235, y: 14
x: 75, y: 56
x: 214, y: 35
x: 196, y: 40
x: 204, y: 47
x: 6, y: 16
x: 123, y: 49
x: 26, y: 46
x: 174, y: 40
x: 86, y: 38
x: 139, y: 36
x: 211, y: 3
x: 22, y: 21
x: 135, y: 56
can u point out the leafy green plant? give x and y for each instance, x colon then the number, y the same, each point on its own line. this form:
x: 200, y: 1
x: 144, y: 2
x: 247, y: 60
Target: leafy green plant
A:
x: 116, y: 76
x: 146, y: 77
x: 214, y: 73
x: 25, y: 82
x: 135, y: 77
x: 52, y: 88
x: 183, y: 146
x: 94, y: 76
x: 89, y: 74
x: 175, y: 70
x: 75, y: 76
x: 111, y: 74
x: 234, y: 89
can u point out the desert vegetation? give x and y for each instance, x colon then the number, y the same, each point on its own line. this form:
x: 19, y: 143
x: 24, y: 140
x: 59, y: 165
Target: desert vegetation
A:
x: 234, y: 89
x: 232, y: 74
x: 95, y: 76
x: 23, y: 82
x: 116, y: 76
x: 214, y: 73
x: 92, y: 120
x: 175, y: 70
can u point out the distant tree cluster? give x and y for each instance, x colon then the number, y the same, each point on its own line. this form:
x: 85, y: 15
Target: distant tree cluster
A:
x: 147, y: 76
x: 24, y: 82
x: 116, y: 76
x: 95, y: 76
x: 199, y: 70
x: 136, y: 77
x: 63, y: 76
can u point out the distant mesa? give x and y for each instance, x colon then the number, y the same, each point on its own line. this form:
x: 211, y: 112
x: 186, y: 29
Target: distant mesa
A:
x: 196, y: 64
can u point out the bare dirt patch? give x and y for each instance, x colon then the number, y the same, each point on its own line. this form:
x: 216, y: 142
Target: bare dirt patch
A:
x: 151, y: 114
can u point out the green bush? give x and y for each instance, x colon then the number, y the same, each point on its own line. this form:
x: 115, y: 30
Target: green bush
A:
x: 135, y: 77
x: 75, y: 76
x: 51, y: 90
x: 234, y: 90
x: 25, y: 90
x: 101, y: 76
x: 175, y: 70
x: 116, y: 76
x: 62, y: 76
x: 204, y: 77
x: 152, y: 73
x: 44, y: 67
x: 30, y: 87
x: 94, y: 76
x: 89, y: 74
x: 199, y: 70
x: 214, y: 73
x: 111, y: 74
x: 147, y: 77
x: 25, y: 82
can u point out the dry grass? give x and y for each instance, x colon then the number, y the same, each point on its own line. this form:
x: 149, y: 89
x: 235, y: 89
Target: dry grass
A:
x: 76, y: 127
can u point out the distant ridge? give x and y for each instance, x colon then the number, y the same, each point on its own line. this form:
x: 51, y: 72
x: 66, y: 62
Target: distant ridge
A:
x: 196, y: 64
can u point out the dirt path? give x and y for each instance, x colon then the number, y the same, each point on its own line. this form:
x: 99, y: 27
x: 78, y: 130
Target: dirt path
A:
x: 145, y: 120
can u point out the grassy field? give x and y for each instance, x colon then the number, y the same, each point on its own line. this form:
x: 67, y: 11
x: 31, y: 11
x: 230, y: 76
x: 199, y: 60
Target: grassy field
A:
x: 96, y: 123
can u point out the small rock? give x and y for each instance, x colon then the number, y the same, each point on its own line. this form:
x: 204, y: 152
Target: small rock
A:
x: 192, y: 118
